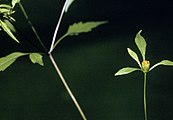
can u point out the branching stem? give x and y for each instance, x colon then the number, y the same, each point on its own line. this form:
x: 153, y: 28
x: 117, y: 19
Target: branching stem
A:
x: 53, y: 45
x: 145, y: 95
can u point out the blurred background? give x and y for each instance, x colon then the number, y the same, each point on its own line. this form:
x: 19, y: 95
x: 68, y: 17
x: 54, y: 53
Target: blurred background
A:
x: 89, y: 62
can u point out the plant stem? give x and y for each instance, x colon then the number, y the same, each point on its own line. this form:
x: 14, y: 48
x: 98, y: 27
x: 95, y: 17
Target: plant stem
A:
x: 51, y: 57
x: 59, y: 40
x: 31, y: 25
x: 67, y: 87
x: 145, y: 95
x: 57, y: 26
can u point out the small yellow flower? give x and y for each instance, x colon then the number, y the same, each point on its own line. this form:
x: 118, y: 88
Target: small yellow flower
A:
x: 145, y: 66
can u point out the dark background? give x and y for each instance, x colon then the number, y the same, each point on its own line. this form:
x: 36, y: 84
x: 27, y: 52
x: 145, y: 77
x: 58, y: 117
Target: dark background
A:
x: 89, y: 61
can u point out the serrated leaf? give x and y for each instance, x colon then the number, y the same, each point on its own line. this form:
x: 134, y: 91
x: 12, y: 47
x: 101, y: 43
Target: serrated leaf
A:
x: 163, y: 62
x: 134, y: 56
x: 141, y: 44
x: 69, y: 2
x: 126, y: 70
x: 6, y: 61
x: 7, y: 30
x: 81, y: 27
x: 36, y: 58
x: 14, y: 2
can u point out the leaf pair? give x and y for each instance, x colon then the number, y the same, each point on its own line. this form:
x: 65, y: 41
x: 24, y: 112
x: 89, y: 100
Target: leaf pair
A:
x: 6, y: 61
x: 145, y: 66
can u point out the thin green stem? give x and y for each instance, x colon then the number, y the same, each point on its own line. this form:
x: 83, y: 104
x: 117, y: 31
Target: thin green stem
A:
x: 145, y: 95
x: 59, y: 40
x: 67, y: 87
x: 31, y: 25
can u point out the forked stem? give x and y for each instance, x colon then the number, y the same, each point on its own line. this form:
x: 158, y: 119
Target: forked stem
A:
x: 67, y: 87
x: 51, y: 57
x: 145, y: 95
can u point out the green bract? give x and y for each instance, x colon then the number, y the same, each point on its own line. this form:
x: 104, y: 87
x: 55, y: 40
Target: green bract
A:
x: 141, y: 44
x: 126, y: 70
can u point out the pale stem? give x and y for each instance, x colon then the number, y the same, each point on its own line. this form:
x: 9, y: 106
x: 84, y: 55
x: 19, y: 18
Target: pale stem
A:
x: 145, y: 95
x: 67, y: 87
x: 51, y: 57
x: 31, y: 25
x: 57, y: 27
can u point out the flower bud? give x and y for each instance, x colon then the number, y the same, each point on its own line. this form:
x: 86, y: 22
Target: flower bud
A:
x: 145, y: 66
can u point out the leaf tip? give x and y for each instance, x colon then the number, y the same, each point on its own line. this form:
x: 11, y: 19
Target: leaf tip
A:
x: 17, y: 41
x: 139, y: 31
x: 103, y: 22
x: 116, y: 75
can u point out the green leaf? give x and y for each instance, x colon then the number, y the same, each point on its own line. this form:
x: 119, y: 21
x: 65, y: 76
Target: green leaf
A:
x: 36, y: 58
x: 163, y: 62
x: 6, y: 61
x: 126, y: 70
x: 11, y: 27
x: 134, y: 56
x: 7, y: 30
x: 5, y: 6
x: 141, y: 44
x: 4, y: 10
x: 69, y: 2
x: 14, y: 2
x: 81, y: 27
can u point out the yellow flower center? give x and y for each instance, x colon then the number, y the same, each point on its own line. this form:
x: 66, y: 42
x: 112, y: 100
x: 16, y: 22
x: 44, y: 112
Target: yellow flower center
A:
x: 145, y: 66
